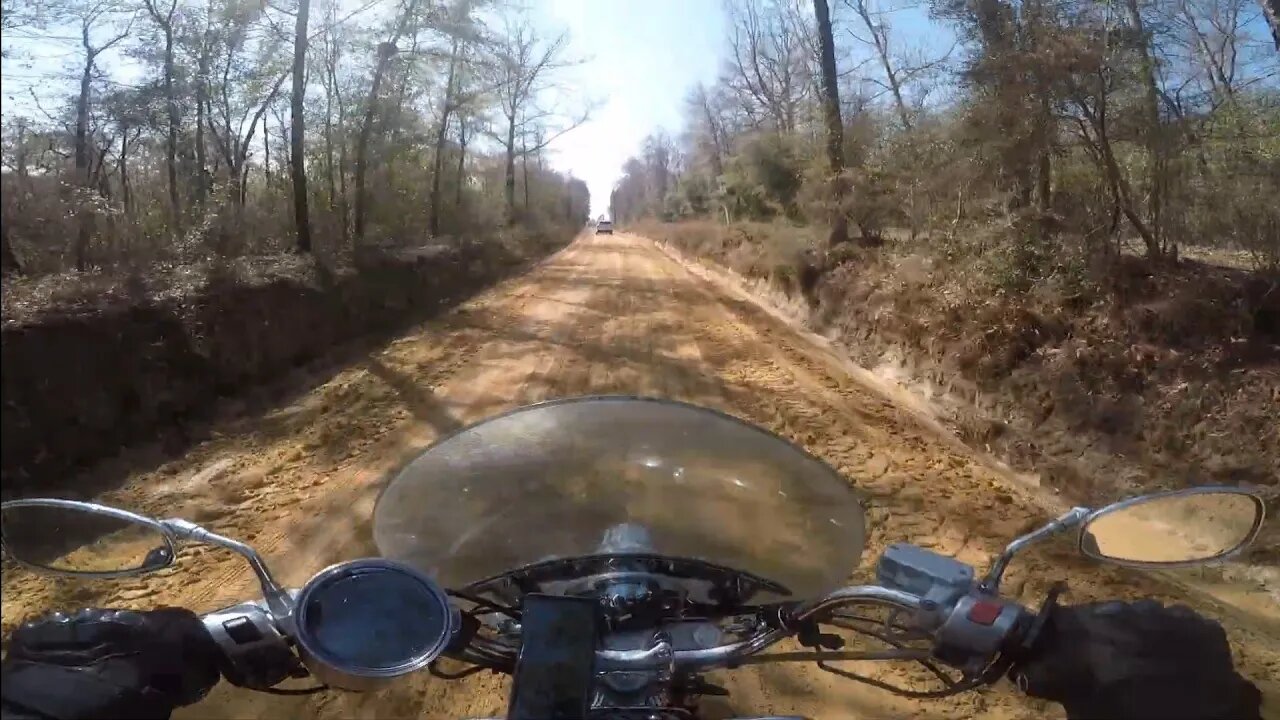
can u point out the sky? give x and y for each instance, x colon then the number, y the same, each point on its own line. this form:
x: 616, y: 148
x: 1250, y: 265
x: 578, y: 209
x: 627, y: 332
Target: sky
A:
x: 641, y: 58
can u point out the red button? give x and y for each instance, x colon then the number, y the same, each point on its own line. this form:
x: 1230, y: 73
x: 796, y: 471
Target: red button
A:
x: 985, y: 613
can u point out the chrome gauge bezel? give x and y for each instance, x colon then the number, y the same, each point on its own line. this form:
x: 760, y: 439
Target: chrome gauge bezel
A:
x: 338, y: 673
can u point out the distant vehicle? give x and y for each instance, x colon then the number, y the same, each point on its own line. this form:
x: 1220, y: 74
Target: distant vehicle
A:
x: 604, y: 227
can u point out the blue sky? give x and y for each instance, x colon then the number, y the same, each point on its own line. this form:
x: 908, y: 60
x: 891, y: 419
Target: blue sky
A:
x: 642, y: 58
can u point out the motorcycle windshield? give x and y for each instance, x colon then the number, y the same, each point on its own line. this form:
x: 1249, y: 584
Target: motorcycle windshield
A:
x: 549, y: 481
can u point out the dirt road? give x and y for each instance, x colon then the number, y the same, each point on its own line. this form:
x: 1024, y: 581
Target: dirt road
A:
x: 607, y: 315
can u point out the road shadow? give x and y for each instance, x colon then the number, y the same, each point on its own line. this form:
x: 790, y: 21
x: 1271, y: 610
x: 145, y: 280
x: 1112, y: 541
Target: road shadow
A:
x: 421, y: 400
x: 124, y: 451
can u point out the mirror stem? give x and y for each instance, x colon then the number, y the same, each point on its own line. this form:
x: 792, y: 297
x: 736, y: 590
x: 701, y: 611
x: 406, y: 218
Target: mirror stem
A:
x: 1073, y: 517
x: 278, y: 601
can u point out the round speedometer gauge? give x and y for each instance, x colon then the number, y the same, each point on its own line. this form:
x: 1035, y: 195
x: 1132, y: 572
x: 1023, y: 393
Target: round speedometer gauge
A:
x: 364, y: 622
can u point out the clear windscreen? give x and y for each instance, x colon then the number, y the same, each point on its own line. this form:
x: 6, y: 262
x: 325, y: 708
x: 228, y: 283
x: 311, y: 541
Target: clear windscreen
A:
x: 556, y: 480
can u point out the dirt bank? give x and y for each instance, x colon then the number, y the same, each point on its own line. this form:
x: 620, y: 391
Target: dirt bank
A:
x: 607, y: 315
x: 94, y: 363
x: 1148, y: 379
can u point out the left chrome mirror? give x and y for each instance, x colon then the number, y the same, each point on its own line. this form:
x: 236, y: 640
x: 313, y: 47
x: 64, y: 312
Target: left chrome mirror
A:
x: 69, y: 537
x: 1183, y: 527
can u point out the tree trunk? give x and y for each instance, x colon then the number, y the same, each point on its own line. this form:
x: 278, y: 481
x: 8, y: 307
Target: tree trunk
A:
x: 835, y: 129
x: 1044, y: 182
x: 462, y: 158
x: 433, y: 218
x: 100, y: 177
x: 126, y: 196
x: 266, y: 154
x: 386, y: 51
x: 8, y: 259
x: 510, y: 170
x: 524, y: 170
x: 362, y: 152
x: 82, y: 123
x: 171, y: 143
x: 433, y: 221
x: 362, y: 149
x: 717, y: 151
x: 1044, y: 163
x: 301, y: 219
x: 20, y: 148
x: 1153, y: 134
x: 330, y: 181
x: 1123, y: 193
x: 878, y: 37
x: 202, y: 101
x: 1271, y: 9
x: 82, y: 161
x: 344, y: 205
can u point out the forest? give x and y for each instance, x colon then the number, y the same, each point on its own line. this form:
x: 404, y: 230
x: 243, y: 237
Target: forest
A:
x: 1054, y: 220
x: 1055, y: 133
x: 232, y: 128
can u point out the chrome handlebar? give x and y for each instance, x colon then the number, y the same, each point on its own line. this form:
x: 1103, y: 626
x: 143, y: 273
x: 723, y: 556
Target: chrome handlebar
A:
x: 661, y: 654
x: 967, y: 634
x: 725, y: 654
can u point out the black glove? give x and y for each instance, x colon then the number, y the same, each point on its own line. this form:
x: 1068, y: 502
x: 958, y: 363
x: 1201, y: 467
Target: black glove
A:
x: 1136, y: 661
x: 109, y: 664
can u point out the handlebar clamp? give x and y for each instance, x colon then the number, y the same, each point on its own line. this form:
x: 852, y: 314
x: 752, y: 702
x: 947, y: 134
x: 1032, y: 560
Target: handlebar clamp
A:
x: 254, y: 653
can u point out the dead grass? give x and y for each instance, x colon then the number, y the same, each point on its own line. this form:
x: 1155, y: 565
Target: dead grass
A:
x: 28, y: 300
x: 96, y: 361
x: 1105, y: 382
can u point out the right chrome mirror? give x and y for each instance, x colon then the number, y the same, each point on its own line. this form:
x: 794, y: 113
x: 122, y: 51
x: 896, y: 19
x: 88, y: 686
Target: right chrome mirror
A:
x: 69, y: 537
x: 1184, y: 527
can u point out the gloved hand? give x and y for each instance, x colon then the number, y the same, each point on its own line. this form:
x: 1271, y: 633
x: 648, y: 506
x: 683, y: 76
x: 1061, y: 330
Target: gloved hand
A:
x: 109, y: 664
x: 1136, y: 661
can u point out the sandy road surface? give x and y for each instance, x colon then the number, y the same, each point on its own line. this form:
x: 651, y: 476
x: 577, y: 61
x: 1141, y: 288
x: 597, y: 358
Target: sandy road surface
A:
x: 607, y: 315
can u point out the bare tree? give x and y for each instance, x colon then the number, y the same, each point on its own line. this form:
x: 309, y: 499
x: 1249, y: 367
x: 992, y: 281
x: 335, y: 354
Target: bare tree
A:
x: 386, y: 51
x: 1153, y: 130
x: 463, y: 135
x: 335, y: 169
x: 831, y: 115
x: 203, y: 56
x: 525, y: 67
x: 181, y: 129
x: 878, y: 31
x: 769, y: 61
x: 163, y: 18
x: 1271, y: 11
x: 1215, y: 32
x: 707, y: 126
x: 460, y: 29
x: 297, y: 128
x: 236, y: 123
x: 90, y: 15
x: 442, y: 129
